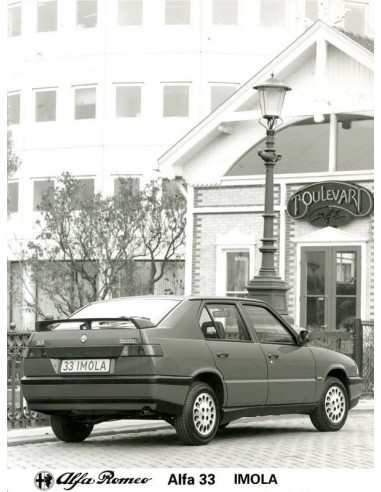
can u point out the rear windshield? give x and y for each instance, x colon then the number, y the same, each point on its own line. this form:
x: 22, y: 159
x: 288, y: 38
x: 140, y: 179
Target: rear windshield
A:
x: 153, y: 309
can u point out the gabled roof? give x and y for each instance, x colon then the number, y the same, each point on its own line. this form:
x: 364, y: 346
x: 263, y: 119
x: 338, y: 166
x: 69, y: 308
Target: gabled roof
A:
x: 243, y: 104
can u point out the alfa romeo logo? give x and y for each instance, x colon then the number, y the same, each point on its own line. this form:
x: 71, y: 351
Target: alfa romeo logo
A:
x: 44, y: 480
x: 83, y: 338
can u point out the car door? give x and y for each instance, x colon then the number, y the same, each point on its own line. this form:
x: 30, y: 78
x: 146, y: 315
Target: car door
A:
x: 241, y: 361
x: 291, y: 367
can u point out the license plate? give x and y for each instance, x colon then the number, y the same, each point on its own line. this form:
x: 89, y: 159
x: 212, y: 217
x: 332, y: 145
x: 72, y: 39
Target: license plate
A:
x: 85, y: 365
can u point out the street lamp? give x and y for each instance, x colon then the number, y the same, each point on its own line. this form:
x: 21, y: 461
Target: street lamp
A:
x: 267, y: 285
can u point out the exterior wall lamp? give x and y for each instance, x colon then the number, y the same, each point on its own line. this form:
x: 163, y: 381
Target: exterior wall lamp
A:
x: 267, y: 286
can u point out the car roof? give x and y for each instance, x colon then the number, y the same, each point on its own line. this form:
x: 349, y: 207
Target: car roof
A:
x: 197, y: 297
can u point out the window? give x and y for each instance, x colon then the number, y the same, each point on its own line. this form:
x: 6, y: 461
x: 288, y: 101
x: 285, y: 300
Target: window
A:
x: 330, y: 287
x: 273, y: 13
x: 13, y: 197
x: 312, y: 10
x: 219, y: 94
x: 13, y: 109
x: 87, y: 13
x: 225, y: 12
x: 14, y: 20
x: 355, y: 18
x: 310, y: 156
x: 355, y: 144
x: 267, y: 327
x: 128, y: 101
x: 128, y: 183
x: 84, y: 192
x: 46, y: 105
x: 177, y: 12
x: 47, y: 16
x: 39, y: 189
x: 85, y: 103
x: 237, y: 272
x: 227, y: 323
x: 176, y: 100
x: 130, y: 12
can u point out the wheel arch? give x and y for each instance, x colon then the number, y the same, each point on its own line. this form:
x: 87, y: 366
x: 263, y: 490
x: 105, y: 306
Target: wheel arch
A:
x: 341, y: 375
x: 215, y: 382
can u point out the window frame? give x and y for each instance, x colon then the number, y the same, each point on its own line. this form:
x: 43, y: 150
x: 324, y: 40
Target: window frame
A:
x: 275, y: 26
x: 275, y: 315
x: 38, y: 3
x: 80, y: 87
x: 16, y: 202
x: 224, y: 245
x: 166, y: 85
x: 82, y: 26
x: 180, y: 24
x: 9, y: 95
x: 231, y: 25
x: 19, y: 31
x: 129, y: 85
x: 238, y: 310
x: 40, y: 91
x: 141, y: 14
x: 40, y: 180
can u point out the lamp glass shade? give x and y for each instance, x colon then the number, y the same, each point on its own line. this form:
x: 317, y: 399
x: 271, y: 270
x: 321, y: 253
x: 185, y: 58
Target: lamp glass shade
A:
x: 271, y: 97
x: 271, y: 100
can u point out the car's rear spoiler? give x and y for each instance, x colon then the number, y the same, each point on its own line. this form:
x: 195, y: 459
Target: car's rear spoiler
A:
x: 46, y: 325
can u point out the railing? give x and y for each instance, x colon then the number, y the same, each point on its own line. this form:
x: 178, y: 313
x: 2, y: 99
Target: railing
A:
x: 364, y: 353
x: 18, y: 413
x: 356, y: 342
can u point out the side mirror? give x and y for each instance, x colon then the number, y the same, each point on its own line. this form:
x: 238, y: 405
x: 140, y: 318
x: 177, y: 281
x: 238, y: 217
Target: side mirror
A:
x: 303, y: 337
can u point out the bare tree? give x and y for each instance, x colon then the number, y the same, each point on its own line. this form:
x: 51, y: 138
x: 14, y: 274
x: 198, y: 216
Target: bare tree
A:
x: 85, y: 241
x: 163, y: 223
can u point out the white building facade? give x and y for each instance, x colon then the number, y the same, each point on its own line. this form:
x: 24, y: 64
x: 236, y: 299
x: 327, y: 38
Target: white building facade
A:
x: 102, y: 88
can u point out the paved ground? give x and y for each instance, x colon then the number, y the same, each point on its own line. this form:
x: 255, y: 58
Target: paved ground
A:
x: 276, y: 442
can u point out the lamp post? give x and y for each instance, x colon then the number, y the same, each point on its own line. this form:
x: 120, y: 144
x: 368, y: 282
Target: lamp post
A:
x: 267, y: 286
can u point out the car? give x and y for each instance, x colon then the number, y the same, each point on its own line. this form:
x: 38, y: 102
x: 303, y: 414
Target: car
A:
x: 195, y: 362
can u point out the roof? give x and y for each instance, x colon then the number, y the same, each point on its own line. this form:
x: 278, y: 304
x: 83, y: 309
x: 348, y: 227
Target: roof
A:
x: 363, y: 41
x: 302, y: 63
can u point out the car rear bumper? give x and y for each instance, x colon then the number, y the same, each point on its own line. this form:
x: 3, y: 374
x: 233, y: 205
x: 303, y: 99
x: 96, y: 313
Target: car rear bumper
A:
x: 355, y: 390
x: 99, y: 395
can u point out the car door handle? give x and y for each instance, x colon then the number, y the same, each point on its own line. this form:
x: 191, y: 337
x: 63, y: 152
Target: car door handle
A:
x: 222, y: 355
x: 273, y: 356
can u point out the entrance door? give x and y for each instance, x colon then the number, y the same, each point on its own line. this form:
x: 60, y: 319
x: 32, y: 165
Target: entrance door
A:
x: 330, y: 287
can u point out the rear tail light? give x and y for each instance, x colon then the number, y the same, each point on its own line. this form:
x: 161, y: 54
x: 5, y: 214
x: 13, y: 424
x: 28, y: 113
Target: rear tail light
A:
x: 142, y: 351
x: 35, y: 353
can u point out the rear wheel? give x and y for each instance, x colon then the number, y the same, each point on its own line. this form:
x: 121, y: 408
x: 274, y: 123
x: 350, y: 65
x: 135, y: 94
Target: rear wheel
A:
x: 198, y: 422
x: 332, y: 410
x: 69, y: 430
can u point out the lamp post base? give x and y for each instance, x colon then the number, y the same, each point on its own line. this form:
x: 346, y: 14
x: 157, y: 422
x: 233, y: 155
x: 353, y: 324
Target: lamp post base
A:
x: 271, y: 290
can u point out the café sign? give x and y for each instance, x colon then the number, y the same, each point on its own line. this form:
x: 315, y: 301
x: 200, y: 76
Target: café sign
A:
x: 330, y: 203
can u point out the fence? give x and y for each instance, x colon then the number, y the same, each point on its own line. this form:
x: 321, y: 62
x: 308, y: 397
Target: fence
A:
x: 18, y: 414
x: 356, y: 342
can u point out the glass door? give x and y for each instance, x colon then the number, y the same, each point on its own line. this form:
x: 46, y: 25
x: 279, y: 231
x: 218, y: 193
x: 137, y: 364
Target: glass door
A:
x: 330, y: 287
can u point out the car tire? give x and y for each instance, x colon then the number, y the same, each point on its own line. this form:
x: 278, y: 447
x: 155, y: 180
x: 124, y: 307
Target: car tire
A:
x: 70, y: 430
x: 198, y: 422
x: 332, y: 410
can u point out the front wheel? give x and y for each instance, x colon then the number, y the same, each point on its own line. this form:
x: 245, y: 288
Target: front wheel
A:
x: 332, y: 410
x: 198, y: 422
x: 69, y: 430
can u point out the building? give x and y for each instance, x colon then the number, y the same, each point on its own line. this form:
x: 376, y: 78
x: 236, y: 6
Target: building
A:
x: 323, y: 189
x: 100, y: 89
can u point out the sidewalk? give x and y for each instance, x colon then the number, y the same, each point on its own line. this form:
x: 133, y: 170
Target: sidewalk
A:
x: 17, y: 437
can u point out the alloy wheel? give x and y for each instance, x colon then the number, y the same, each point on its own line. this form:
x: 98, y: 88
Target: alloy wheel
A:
x: 204, y: 413
x: 335, y: 404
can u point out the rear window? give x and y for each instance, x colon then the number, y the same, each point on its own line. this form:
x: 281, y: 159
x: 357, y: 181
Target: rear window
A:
x: 153, y: 309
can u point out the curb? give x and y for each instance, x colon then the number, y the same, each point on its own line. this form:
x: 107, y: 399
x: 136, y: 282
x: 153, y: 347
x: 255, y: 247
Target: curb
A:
x: 135, y: 429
